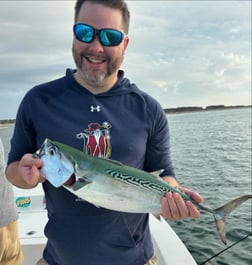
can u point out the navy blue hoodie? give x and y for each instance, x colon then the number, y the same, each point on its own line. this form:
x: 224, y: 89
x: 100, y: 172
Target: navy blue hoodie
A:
x: 123, y: 124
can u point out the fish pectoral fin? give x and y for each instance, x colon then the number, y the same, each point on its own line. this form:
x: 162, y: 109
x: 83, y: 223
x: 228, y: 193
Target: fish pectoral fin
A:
x: 80, y: 183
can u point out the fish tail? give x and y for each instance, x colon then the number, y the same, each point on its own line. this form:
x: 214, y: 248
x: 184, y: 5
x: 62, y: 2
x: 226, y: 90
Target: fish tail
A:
x: 221, y: 215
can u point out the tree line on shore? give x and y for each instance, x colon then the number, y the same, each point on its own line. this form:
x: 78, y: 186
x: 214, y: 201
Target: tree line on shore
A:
x: 195, y: 108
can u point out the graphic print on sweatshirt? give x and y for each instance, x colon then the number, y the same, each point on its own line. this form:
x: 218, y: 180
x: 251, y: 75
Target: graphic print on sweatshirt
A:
x: 96, y: 139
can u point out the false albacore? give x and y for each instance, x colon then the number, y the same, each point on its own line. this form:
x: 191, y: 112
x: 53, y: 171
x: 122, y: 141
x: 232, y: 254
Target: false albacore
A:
x: 112, y: 185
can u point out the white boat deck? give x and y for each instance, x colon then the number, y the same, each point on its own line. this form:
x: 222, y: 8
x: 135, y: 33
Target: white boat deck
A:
x: 167, y: 246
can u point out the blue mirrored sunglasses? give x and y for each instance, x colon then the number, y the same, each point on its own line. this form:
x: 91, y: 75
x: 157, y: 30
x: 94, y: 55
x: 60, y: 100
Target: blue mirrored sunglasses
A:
x: 107, y: 37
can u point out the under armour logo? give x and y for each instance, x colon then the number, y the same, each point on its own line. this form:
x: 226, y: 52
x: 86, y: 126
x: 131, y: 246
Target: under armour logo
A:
x: 97, y: 108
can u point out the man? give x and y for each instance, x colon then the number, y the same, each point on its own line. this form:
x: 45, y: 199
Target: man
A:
x: 96, y: 97
x: 10, y: 249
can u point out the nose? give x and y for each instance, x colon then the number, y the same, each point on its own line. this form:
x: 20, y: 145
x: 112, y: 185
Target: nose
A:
x: 96, y: 45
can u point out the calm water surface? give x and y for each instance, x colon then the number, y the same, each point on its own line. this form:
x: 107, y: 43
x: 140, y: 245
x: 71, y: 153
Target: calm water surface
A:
x: 212, y: 155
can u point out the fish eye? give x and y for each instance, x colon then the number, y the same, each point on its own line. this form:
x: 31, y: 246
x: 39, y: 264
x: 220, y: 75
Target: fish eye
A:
x: 52, y: 150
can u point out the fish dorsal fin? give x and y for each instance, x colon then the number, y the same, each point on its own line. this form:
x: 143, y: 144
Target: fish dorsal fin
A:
x: 115, y: 162
x: 157, y: 173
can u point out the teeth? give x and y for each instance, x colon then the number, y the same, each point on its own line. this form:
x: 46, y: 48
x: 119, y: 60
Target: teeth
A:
x: 95, y: 61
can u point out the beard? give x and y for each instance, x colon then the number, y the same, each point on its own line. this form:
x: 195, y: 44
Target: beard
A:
x: 91, y: 76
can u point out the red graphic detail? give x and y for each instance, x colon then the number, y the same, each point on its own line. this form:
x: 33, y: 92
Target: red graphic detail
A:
x: 96, y: 140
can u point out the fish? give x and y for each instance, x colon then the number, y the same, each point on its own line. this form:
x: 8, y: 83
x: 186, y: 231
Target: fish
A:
x: 115, y: 186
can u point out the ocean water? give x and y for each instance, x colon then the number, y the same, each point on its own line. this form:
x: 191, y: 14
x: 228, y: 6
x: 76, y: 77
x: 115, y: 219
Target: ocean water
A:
x: 212, y: 155
x: 211, y: 152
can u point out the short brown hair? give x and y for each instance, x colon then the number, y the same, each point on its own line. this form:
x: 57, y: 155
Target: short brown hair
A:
x: 116, y: 4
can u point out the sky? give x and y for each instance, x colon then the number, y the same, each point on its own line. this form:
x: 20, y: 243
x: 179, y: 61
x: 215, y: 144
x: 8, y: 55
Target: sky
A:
x: 183, y: 53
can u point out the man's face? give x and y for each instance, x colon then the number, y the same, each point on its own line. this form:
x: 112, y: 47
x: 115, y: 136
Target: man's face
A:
x: 97, y: 65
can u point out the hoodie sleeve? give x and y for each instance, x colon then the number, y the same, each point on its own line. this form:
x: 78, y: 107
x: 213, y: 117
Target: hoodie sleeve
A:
x: 158, y: 153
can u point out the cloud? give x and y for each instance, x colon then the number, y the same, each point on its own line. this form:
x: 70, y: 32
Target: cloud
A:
x: 180, y: 52
x: 200, y: 48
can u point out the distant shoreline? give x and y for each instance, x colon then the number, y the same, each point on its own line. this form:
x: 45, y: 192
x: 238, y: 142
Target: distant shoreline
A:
x: 172, y: 110
x: 208, y: 108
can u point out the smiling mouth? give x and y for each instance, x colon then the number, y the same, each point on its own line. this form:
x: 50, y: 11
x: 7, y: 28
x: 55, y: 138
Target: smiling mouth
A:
x: 95, y: 61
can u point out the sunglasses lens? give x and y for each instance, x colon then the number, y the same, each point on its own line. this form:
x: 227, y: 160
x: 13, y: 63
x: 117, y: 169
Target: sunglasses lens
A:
x: 110, y: 37
x: 107, y: 37
x: 83, y: 33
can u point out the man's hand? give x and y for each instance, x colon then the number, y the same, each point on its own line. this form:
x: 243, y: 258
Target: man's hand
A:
x: 29, y: 169
x: 25, y: 173
x: 175, y: 208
